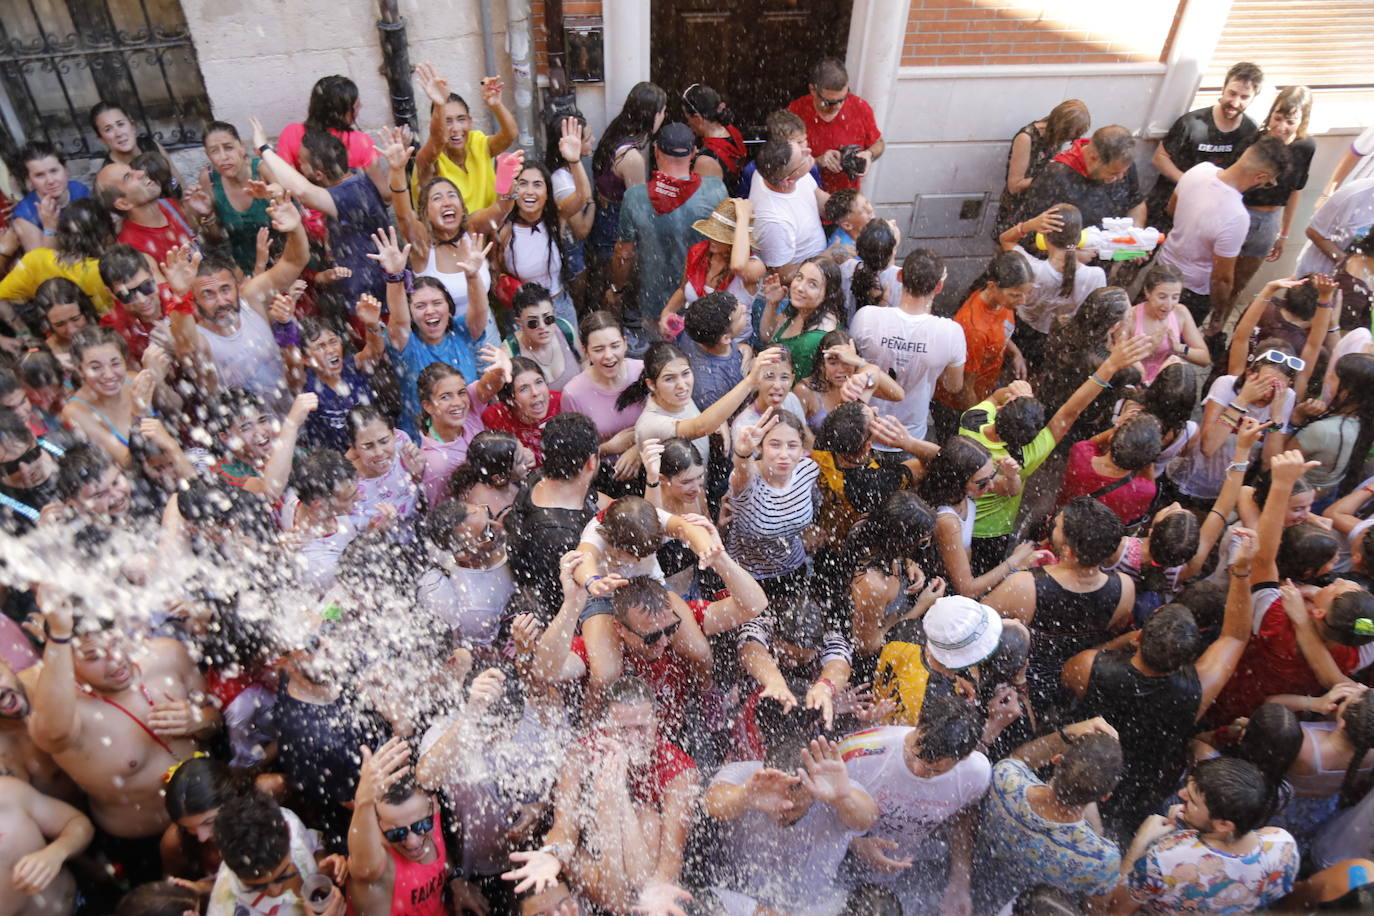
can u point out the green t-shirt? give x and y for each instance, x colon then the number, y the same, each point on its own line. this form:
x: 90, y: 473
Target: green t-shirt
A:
x: 995, y: 515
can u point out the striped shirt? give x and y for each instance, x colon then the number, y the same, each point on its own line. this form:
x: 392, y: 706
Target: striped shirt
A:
x: 765, y: 534
x: 835, y: 646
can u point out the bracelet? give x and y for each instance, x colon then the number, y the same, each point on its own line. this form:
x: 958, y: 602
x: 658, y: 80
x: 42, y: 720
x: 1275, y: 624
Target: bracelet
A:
x: 1367, y: 488
x: 396, y: 190
x: 55, y: 640
x: 1238, y: 575
x: 651, y: 485
x: 827, y: 682
x: 264, y: 148
x: 1283, y: 235
x: 1105, y: 386
x: 588, y: 584
x: 1238, y: 466
x: 743, y: 457
x: 396, y: 277
x: 1217, y: 514
x: 1063, y: 735
x: 50, y: 232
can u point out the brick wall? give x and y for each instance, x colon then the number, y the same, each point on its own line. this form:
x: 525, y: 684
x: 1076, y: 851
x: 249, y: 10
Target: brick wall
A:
x: 976, y: 32
x: 570, y: 8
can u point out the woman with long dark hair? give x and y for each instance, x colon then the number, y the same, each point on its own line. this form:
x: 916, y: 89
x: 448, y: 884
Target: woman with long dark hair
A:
x: 241, y: 215
x: 621, y: 161
x: 870, y: 277
x: 334, y: 106
x: 722, y: 153
x: 811, y: 306
x: 123, y: 143
x: 838, y: 375
x: 530, y: 242
x: 454, y: 149
x: 1341, y: 437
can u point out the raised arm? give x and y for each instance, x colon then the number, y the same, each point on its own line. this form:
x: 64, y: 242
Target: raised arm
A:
x: 1219, y: 660
x: 55, y: 724
x: 713, y: 416
x: 1310, y: 643
x: 367, y: 849
x: 258, y: 290
x: 309, y: 193
x: 554, y: 650
x: 393, y: 260
x: 471, y: 255
x: 507, y: 129
x: 1049, y: 221
x: 397, y: 153
x: 745, y: 602
x: 744, y: 449
x: 272, y: 483
x: 1285, y: 469
x: 1123, y: 353
x: 1215, y: 523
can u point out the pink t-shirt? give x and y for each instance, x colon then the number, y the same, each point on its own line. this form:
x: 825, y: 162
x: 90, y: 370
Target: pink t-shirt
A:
x: 584, y: 396
x: 361, y: 149
x: 442, y: 457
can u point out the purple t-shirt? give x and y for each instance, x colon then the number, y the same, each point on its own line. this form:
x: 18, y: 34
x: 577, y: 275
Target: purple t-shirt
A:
x: 584, y: 396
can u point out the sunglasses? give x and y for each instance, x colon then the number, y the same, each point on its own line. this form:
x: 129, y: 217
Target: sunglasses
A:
x: 29, y: 457
x: 650, y: 638
x: 1279, y: 358
x: 831, y: 103
x: 536, y: 321
x: 420, y: 828
x: 280, y: 879
x: 145, y: 288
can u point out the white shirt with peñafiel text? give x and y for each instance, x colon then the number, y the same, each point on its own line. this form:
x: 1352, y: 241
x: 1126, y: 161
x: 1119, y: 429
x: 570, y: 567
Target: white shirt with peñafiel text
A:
x: 915, y: 350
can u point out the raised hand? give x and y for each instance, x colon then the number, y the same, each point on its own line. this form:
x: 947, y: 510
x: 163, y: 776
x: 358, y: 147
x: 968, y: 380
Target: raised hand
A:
x: 1247, y: 544
x: 1287, y: 467
x: 651, y: 453
x: 1247, y: 434
x: 49, y: 210
x: 368, y: 310
x: 197, y: 199
x: 821, y: 696
x: 525, y: 632
x: 770, y: 357
x: 180, y: 268
x: 492, y: 87
x: 259, y: 135
x: 486, y: 689
x: 887, y: 431
x: 303, y: 406
x: 600, y: 588
x: 751, y: 437
x: 434, y: 86
x: 1325, y: 286
x: 157, y: 361
x: 413, y: 460
x: 773, y: 290
x: 472, y: 253
x: 659, y: 898
x: 495, y: 356
x: 381, y: 769
x: 286, y: 217
x: 570, y: 143
x: 823, y: 771
x: 395, y: 148
x: 567, y: 565
x: 1049, y: 221
x: 262, y: 246
x: 261, y: 190
x: 1094, y: 726
x: 392, y: 258
x: 767, y: 789
x: 779, y: 693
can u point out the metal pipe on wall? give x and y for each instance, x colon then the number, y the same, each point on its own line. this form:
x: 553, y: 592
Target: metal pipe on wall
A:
x: 520, y: 46
x: 489, y: 65
x: 396, y: 63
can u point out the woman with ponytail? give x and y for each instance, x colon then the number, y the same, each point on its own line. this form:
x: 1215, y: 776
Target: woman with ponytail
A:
x: 1335, y: 767
x: 722, y: 154
x: 870, y: 278
x: 1059, y: 282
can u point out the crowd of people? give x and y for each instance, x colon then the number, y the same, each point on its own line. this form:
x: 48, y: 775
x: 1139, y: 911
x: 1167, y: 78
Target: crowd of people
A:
x: 409, y: 525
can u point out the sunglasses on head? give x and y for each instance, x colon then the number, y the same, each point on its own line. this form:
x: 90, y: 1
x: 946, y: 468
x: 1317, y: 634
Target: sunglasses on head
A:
x: 280, y: 879
x: 687, y: 103
x: 1279, y: 358
x: 420, y: 828
x: 536, y: 321
x: 145, y: 288
x: 29, y: 457
x: 650, y: 638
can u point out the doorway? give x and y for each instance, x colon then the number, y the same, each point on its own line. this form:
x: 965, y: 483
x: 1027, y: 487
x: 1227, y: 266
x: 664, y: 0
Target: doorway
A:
x: 755, y: 53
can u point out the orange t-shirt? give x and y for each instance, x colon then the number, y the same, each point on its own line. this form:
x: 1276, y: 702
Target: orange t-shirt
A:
x: 986, y: 332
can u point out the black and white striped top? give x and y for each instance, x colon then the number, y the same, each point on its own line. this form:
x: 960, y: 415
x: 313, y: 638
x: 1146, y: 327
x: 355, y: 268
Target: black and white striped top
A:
x: 765, y: 532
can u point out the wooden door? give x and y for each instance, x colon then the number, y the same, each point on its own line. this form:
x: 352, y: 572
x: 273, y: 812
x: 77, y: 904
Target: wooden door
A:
x: 755, y: 53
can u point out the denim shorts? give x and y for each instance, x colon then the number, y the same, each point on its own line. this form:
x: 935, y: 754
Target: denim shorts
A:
x: 1264, y: 229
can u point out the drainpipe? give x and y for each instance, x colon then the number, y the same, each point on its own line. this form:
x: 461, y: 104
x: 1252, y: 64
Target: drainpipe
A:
x: 489, y: 65
x: 520, y: 46
x: 396, y: 63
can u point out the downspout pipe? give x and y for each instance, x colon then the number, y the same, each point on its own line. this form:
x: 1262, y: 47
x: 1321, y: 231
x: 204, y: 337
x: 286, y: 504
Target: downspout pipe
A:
x: 520, y: 45
x: 489, y: 65
x: 396, y: 63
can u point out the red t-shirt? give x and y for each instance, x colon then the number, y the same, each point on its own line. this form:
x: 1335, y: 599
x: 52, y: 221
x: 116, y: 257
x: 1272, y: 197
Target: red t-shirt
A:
x: 854, y: 124
x: 1273, y: 664
x: 418, y: 890
x: 1129, y: 501
x: 361, y: 149
x: 133, y: 330
x: 498, y: 416
x: 157, y: 242
x: 986, y: 333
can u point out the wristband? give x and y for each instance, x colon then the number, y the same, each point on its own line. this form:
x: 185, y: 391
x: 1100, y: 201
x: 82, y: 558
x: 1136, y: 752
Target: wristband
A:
x: 651, y: 485
x: 1238, y: 466
x: 50, y: 232
x: 264, y: 148
x: 1238, y: 575
x: 827, y: 682
x: 1063, y: 736
x: 55, y: 640
x: 1105, y: 386
x: 396, y: 190
x: 177, y: 303
x: 588, y: 584
x: 287, y: 335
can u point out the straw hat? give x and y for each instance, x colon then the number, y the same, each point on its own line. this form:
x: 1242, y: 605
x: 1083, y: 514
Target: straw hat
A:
x: 720, y: 225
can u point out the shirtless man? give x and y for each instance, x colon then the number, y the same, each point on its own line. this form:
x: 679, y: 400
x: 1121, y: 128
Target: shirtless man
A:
x: 38, y: 835
x: 19, y: 756
x: 115, y: 716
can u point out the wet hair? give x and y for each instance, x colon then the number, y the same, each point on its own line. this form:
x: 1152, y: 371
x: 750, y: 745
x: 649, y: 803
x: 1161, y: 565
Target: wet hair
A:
x: 553, y: 133
x: 92, y: 336
x: 359, y: 417
x: 552, y: 229
x: 707, y: 319
x: 197, y: 786
x: 1113, y: 143
x: 1006, y: 270
x: 832, y: 302
x: 844, y: 430
x: 442, y: 521
x: 1084, y: 340
x: 706, y: 102
x: 922, y: 270
x: 679, y: 454
x: 1272, y: 742
x: 1091, y: 530
x: 519, y: 365
x: 429, y: 377
x: 38, y: 368
x: 1170, y: 639
x: 1264, y: 481
x: 84, y: 230
x: 235, y: 404
x: 837, y: 338
x: 423, y: 210
x: 874, y: 248
x: 772, y: 159
x: 214, y: 263
x: 319, y: 474
x: 56, y: 291
x: 435, y: 284
x: 1004, y: 666
x: 891, y: 533
x: 640, y: 591
x: 1018, y: 422
x: 786, y: 732
x: 1355, y: 397
x: 213, y: 504
x: 219, y: 127
x: 1342, y: 618
x: 1253, y: 366
x: 1358, y: 717
x: 949, y: 727
x: 158, y: 898
x: 1136, y: 443
x: 1066, y: 237
x: 332, y: 99
x: 656, y: 359
x: 838, y: 206
x: 1301, y: 301
x: 527, y: 296
x: 1089, y: 770
x: 948, y: 473
x: 570, y: 440
x: 599, y: 320
x: 1067, y: 121
x: 629, y: 691
x: 121, y: 263
x: 327, y: 152
x: 1173, y: 541
x: 13, y: 430
x: 1291, y: 100
x: 251, y: 835
x: 634, y: 124
x: 1171, y: 397
x: 1158, y: 274
x: 36, y: 150
x: 490, y: 460
x: 1207, y: 600
x: 782, y: 123
x: 1234, y: 790
x: 402, y: 790
x: 1244, y: 72
x: 789, y: 419
x: 1304, y: 550
x: 829, y: 74
x: 631, y: 524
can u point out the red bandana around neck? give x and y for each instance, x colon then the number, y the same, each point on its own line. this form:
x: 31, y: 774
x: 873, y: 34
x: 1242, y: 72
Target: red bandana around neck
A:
x: 1073, y: 157
x: 667, y: 193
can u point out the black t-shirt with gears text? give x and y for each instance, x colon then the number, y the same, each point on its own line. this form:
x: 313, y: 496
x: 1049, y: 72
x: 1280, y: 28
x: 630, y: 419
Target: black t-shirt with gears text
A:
x: 1196, y: 138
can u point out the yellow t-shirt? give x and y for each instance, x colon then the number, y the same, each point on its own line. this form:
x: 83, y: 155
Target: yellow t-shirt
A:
x: 41, y: 264
x: 477, y: 181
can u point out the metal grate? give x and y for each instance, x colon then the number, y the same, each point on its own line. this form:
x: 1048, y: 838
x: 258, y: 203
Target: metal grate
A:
x: 58, y: 58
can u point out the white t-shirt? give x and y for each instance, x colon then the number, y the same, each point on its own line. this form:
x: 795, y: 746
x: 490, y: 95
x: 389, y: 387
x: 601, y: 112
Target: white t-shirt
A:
x: 787, y: 227
x: 1201, y: 476
x: 791, y: 869
x: 1345, y: 217
x: 470, y: 601
x: 916, y: 348
x: 1044, y: 305
x: 657, y: 423
x: 530, y: 257
x: 1210, y: 220
x: 909, y: 807
x: 228, y: 897
x: 645, y: 566
x: 317, y: 561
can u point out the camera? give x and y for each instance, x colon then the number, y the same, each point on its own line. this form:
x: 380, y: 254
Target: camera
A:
x: 850, y: 161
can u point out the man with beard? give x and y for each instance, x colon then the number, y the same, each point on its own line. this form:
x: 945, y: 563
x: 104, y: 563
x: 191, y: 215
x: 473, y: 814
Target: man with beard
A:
x: 151, y: 225
x: 40, y: 835
x: 622, y: 807
x: 115, y: 716
x: 19, y: 756
x: 233, y: 332
x: 28, y: 473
